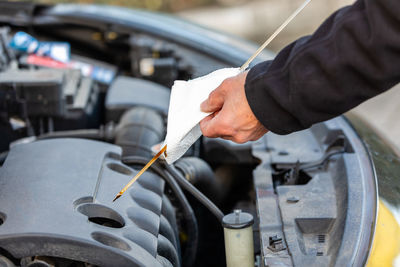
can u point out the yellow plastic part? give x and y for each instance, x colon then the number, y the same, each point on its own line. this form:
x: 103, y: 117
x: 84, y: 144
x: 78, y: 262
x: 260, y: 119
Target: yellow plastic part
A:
x: 239, y: 250
x: 386, y: 245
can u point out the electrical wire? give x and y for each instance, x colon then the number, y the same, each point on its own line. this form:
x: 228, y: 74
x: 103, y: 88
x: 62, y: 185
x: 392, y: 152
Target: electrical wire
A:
x: 195, y: 192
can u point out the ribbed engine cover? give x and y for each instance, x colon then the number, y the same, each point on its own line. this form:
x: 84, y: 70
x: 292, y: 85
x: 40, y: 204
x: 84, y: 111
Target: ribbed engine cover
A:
x: 56, y: 200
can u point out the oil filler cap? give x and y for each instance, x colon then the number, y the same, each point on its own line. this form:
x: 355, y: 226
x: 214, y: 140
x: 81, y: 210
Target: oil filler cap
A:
x: 237, y: 220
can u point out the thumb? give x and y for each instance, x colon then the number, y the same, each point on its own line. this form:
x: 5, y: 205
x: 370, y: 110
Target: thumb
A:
x: 214, y: 102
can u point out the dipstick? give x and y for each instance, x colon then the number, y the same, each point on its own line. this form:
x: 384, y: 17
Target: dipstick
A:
x: 141, y: 172
x: 272, y: 37
x: 243, y: 67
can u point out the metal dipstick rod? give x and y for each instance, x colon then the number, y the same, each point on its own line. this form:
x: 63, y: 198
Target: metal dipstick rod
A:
x: 141, y: 172
x: 272, y: 37
x: 243, y: 67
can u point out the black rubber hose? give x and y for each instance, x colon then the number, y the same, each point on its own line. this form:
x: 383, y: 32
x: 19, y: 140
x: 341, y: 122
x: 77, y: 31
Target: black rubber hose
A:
x: 138, y: 130
x: 194, y: 191
x: 188, y: 213
x: 199, y: 173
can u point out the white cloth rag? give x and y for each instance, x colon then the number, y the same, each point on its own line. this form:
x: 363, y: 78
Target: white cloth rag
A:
x: 184, y: 112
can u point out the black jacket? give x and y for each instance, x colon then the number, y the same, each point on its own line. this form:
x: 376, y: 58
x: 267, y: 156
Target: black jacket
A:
x: 353, y: 56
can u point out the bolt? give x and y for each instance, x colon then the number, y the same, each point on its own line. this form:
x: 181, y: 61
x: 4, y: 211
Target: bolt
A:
x: 292, y: 199
x: 237, y: 214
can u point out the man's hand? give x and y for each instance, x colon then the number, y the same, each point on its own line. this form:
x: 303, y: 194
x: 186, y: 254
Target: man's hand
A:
x: 232, y: 117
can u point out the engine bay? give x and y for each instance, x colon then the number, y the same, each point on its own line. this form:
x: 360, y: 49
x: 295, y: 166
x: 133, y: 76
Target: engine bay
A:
x: 72, y: 136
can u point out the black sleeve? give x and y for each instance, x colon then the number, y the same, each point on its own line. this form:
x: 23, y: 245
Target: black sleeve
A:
x: 353, y: 56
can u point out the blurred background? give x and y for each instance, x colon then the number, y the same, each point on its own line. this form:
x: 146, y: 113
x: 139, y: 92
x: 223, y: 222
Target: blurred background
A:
x: 251, y: 19
x: 256, y: 20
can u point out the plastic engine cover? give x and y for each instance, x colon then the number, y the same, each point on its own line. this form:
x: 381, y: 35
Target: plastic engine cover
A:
x: 56, y: 200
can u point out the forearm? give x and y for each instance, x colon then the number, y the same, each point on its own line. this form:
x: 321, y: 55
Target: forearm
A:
x: 352, y: 57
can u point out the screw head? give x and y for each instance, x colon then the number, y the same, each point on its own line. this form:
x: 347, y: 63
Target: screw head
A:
x: 292, y: 199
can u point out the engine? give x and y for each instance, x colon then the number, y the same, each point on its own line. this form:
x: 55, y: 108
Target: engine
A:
x: 67, y: 211
x: 70, y: 141
x: 71, y: 136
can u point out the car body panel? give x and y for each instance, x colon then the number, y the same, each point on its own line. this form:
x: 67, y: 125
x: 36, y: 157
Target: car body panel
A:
x: 386, y: 160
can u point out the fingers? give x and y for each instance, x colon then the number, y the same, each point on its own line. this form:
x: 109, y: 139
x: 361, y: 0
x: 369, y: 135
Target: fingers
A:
x: 215, y: 125
x: 231, y: 116
x: 214, y: 102
x: 206, y: 126
x: 222, y: 124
